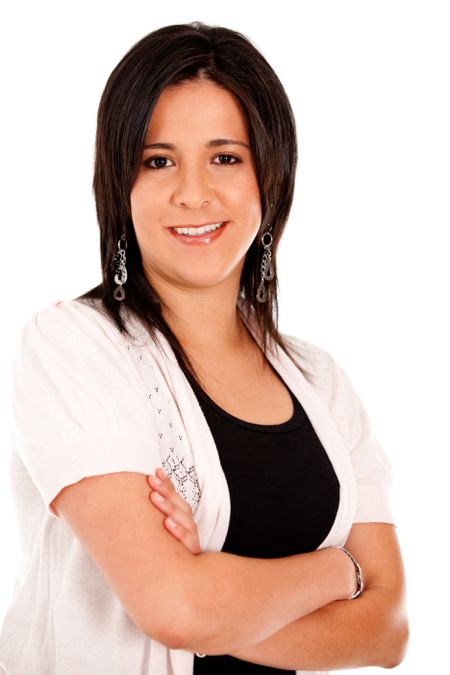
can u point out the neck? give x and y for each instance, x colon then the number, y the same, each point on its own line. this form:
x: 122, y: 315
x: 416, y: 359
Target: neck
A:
x: 204, y: 320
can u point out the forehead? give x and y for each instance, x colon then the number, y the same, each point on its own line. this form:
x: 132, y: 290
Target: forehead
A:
x: 196, y: 109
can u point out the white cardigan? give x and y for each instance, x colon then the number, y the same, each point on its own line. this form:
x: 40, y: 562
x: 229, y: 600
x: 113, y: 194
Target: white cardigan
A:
x: 87, y: 401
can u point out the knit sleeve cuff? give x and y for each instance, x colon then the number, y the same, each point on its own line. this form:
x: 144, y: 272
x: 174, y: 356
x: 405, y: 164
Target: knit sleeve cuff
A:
x: 373, y: 504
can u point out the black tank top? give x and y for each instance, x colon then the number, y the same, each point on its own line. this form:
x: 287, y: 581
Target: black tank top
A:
x: 284, y: 497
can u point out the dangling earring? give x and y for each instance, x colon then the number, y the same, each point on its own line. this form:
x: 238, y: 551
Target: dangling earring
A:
x: 121, y: 274
x: 267, y: 272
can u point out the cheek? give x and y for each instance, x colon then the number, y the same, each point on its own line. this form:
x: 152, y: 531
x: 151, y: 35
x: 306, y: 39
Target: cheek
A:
x: 250, y: 195
x: 139, y: 201
x: 140, y: 210
x: 252, y: 208
x: 244, y: 186
x: 144, y: 210
x: 243, y: 199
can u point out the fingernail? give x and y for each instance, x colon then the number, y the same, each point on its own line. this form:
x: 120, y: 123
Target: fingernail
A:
x: 171, y: 523
x: 156, y: 480
x: 159, y: 497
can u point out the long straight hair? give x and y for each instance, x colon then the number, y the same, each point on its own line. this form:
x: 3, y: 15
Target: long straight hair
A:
x: 172, y: 55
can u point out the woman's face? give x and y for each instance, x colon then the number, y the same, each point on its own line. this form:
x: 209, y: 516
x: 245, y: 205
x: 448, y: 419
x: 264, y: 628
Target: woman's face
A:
x: 198, y: 180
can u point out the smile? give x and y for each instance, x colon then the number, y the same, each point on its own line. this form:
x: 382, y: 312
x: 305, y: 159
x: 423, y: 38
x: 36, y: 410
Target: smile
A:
x: 198, y: 235
x: 197, y: 231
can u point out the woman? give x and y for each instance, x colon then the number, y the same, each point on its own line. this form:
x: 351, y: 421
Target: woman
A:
x: 285, y: 556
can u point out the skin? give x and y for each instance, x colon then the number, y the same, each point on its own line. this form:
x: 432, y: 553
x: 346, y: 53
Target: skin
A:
x: 199, y: 287
x: 369, y: 631
x: 179, y: 520
x: 194, y: 184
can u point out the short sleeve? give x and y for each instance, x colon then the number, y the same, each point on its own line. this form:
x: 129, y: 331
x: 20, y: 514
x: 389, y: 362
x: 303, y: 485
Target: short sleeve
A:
x: 372, y: 470
x: 78, y: 408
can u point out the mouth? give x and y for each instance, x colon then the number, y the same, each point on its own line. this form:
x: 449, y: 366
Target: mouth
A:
x: 198, y: 234
x: 195, y: 230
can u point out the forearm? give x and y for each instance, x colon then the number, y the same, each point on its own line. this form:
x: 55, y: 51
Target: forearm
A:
x: 343, y: 634
x: 239, y: 601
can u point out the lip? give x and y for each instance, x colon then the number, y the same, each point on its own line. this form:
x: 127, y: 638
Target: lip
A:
x: 207, y: 238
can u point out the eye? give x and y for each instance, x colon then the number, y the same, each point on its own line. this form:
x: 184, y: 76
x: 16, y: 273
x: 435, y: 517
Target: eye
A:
x: 237, y: 160
x: 147, y: 162
x: 158, y: 158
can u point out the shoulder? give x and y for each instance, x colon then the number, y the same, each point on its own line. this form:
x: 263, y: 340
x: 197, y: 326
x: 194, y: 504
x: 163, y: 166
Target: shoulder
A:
x: 70, y: 318
x: 329, y: 380
x: 68, y: 338
x: 317, y: 364
x: 74, y: 328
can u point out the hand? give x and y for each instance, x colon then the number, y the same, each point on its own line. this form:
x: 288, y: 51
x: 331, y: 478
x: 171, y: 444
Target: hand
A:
x: 179, y: 521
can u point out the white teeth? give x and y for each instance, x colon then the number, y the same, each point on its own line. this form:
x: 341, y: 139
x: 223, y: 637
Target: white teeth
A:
x: 197, y: 231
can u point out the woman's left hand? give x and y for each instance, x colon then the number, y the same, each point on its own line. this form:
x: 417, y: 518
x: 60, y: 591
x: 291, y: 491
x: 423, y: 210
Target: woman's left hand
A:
x: 179, y: 521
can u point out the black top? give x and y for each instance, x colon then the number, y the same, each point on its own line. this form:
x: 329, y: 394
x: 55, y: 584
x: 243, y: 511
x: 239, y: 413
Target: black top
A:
x: 284, y: 496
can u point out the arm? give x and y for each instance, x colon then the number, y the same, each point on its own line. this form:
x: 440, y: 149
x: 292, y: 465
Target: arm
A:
x: 238, y: 601
x: 369, y: 631
x: 218, y: 600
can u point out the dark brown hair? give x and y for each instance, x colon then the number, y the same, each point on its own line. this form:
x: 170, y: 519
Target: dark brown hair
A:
x: 172, y: 55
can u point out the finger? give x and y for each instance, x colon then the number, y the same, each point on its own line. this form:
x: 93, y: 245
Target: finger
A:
x: 178, y: 522
x: 188, y: 539
x: 167, y: 490
x: 171, y: 507
x: 175, y: 528
x: 161, y: 473
x: 162, y: 480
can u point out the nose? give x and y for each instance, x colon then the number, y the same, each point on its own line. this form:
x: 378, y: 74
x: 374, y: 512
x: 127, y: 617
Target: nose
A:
x: 193, y: 187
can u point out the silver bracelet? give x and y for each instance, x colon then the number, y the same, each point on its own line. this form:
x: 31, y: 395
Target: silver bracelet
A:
x: 359, y: 574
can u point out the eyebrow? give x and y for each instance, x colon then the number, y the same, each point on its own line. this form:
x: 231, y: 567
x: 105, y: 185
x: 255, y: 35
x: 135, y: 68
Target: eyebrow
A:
x: 210, y: 144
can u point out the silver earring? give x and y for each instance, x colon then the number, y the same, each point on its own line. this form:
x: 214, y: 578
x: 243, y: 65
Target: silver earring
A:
x: 267, y: 272
x: 121, y: 274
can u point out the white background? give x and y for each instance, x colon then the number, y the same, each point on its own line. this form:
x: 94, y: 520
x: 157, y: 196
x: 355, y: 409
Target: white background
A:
x: 363, y: 264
